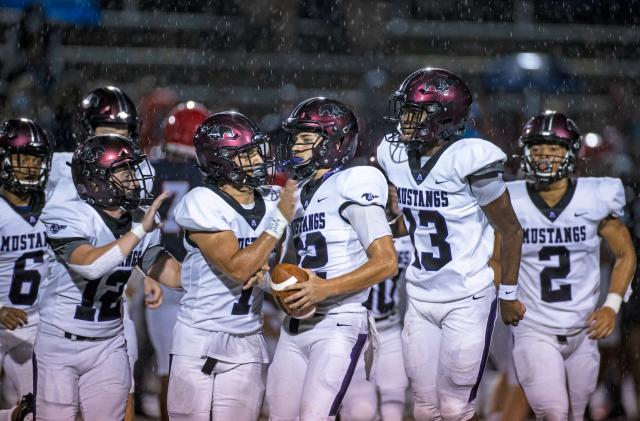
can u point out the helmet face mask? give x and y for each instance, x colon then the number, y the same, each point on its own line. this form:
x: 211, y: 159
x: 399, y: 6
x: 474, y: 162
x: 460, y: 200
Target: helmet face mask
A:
x: 251, y: 164
x: 25, y: 157
x: 107, y: 172
x: 26, y: 171
x: 549, y: 146
x: 302, y: 148
x: 547, y: 163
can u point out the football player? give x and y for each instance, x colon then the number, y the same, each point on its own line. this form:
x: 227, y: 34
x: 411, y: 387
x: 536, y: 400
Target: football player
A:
x: 218, y: 355
x: 175, y: 174
x: 451, y: 193
x: 25, y: 159
x: 342, y: 239
x: 80, y: 347
x: 107, y: 110
x: 564, y: 219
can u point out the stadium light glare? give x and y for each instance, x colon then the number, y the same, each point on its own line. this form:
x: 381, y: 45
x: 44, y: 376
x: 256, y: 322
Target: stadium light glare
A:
x: 529, y: 61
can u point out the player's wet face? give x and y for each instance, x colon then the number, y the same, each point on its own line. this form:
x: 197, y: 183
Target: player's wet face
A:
x: 26, y: 167
x: 410, y: 119
x: 249, y: 160
x: 122, y: 131
x: 547, y: 157
x: 303, y: 144
x: 124, y: 176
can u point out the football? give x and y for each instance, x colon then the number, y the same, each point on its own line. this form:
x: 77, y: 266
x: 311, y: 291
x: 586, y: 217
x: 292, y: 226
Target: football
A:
x: 284, y: 275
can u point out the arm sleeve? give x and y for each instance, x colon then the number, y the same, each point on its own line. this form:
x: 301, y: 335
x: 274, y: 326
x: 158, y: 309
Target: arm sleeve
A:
x: 487, y: 187
x: 200, y: 211
x: 365, y: 194
x: 63, y: 247
x: 150, y: 256
x: 369, y: 222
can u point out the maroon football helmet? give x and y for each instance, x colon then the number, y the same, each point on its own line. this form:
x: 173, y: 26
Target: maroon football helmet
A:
x: 228, y: 135
x: 550, y: 127
x: 430, y: 105
x: 180, y: 126
x: 20, y: 138
x: 107, y: 173
x: 337, y: 127
x: 108, y: 106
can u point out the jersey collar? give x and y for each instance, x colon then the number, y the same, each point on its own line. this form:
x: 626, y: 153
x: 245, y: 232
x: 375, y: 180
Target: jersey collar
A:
x: 311, y: 187
x: 32, y: 213
x: 420, y: 173
x: 552, y: 213
x: 252, y: 216
x: 117, y: 226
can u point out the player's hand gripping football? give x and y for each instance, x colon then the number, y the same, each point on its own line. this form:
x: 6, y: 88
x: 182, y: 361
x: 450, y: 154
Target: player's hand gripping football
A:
x: 601, y: 323
x: 286, y: 205
x: 309, y: 293
x: 11, y: 318
x: 512, y: 311
x: 149, y: 221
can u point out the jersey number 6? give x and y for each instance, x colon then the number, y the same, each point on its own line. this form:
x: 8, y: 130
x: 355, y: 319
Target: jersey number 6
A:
x: 22, y: 276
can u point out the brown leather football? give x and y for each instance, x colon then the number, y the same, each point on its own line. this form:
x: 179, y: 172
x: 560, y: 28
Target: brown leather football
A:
x: 283, y: 275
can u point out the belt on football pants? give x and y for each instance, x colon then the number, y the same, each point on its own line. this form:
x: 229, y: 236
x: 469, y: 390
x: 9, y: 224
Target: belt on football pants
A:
x: 293, y: 326
x: 209, y: 365
x: 53, y: 330
x: 73, y: 337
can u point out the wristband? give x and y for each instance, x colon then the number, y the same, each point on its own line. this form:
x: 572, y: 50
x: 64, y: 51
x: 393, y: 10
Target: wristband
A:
x: 276, y: 224
x: 508, y: 292
x: 613, y: 301
x: 138, y: 231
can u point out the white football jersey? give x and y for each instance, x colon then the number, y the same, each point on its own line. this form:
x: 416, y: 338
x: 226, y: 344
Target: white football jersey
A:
x: 385, y: 298
x: 213, y: 301
x: 452, y: 238
x: 560, y: 267
x: 324, y: 240
x: 91, y: 308
x: 60, y: 187
x: 24, y: 260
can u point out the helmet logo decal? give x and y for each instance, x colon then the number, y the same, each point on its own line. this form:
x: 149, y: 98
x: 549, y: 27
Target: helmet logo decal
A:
x: 331, y: 109
x: 440, y: 86
x: 220, y: 132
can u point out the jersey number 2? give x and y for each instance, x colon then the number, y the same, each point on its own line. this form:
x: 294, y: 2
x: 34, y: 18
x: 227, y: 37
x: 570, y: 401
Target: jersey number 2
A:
x: 426, y: 260
x: 22, y: 276
x: 314, y: 241
x: 561, y: 271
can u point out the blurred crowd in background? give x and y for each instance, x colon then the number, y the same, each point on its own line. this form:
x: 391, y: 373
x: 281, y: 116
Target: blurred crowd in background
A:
x: 262, y: 57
